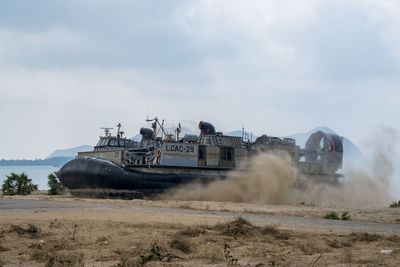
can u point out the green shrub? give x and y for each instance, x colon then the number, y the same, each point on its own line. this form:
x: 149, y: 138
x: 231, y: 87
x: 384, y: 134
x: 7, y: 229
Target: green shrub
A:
x: 334, y: 216
x: 155, y: 253
x: 18, y: 184
x: 395, y: 204
x: 54, y: 184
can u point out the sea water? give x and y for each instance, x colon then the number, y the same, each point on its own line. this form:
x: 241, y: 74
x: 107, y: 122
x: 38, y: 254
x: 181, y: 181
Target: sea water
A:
x: 38, y: 174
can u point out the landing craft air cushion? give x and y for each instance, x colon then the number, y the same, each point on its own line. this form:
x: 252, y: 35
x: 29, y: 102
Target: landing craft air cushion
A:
x: 122, y: 167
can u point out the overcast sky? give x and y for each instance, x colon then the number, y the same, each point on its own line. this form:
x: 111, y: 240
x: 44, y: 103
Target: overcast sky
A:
x: 275, y: 67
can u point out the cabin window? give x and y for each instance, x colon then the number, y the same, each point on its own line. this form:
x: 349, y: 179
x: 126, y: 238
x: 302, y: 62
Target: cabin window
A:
x: 113, y: 142
x: 103, y: 142
x: 226, y: 153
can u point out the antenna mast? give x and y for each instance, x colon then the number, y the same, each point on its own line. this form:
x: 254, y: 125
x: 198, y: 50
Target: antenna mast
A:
x: 154, y: 126
x: 119, y: 133
x: 178, y: 130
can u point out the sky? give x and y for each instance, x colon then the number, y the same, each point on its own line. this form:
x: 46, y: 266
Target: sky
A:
x: 279, y: 67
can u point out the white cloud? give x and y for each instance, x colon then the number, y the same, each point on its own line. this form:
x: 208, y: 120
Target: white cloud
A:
x: 37, y: 49
x: 275, y: 67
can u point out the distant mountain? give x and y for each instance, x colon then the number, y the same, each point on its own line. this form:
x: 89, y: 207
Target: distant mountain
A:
x: 301, y: 138
x: 58, y: 158
x: 56, y: 162
x: 69, y: 152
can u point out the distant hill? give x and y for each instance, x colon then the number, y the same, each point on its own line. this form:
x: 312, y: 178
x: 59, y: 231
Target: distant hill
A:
x: 58, y: 158
x: 69, y: 152
x: 56, y: 162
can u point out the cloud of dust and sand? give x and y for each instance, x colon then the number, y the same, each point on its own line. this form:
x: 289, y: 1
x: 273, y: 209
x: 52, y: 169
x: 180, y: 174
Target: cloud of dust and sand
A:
x: 264, y: 180
x: 366, y: 184
x: 270, y: 179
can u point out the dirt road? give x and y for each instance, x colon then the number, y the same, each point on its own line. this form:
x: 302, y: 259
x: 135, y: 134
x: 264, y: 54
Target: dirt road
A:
x: 303, y: 223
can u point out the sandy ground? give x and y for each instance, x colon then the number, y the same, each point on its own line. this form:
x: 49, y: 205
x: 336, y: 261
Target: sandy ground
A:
x: 371, y: 214
x: 109, y: 237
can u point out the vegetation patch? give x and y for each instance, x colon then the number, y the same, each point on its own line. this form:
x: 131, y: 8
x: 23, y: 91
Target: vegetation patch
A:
x: 46, y: 251
x: 241, y: 227
x: 18, y: 184
x: 65, y: 258
x: 30, y: 229
x: 334, y: 216
x: 395, y: 204
x: 229, y: 257
x: 237, y: 227
x: 155, y: 253
x: 54, y: 184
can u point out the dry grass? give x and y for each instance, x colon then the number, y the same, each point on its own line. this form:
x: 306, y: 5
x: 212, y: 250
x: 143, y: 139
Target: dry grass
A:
x: 335, y: 243
x: 231, y: 243
x: 65, y: 259
x: 393, y: 238
x: 236, y: 228
x: 193, y: 231
x: 272, y: 230
x: 347, y: 256
x: 29, y: 229
x: 364, y: 237
x: 42, y: 251
x: 210, y: 254
x: 182, y: 244
x: 310, y: 247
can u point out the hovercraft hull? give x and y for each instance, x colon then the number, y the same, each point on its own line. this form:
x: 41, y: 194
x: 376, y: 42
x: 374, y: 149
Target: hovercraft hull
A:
x: 94, y: 173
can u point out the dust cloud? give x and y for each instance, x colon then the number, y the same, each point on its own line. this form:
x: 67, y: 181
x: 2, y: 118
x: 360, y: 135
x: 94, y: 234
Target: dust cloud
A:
x: 273, y: 179
x: 367, y: 184
x: 264, y: 180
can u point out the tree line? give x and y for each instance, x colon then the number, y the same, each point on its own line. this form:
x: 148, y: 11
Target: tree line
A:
x: 20, y: 184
